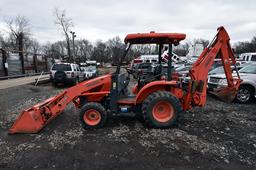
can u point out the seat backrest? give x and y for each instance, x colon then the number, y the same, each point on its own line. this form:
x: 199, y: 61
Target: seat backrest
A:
x: 157, y: 69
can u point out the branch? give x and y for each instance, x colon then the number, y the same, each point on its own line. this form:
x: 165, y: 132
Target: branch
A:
x: 62, y: 20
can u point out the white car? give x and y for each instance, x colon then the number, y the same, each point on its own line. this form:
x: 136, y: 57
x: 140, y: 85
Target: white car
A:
x: 247, y: 58
x: 66, y: 73
x: 89, y: 72
x: 247, y: 89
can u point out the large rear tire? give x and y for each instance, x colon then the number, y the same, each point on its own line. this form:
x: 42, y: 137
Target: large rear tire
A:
x: 93, y: 115
x: 161, y: 109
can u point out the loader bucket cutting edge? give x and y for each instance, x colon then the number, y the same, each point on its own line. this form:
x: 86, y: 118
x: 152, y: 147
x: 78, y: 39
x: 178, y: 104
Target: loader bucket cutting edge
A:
x: 225, y: 94
x: 31, y: 120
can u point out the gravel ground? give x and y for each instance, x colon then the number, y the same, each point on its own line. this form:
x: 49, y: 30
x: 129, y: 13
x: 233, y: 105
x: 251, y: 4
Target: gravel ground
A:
x: 217, y: 136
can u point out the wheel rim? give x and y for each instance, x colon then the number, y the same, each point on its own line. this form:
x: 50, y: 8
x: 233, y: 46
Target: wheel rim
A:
x: 92, y: 117
x: 243, y: 95
x: 163, y: 111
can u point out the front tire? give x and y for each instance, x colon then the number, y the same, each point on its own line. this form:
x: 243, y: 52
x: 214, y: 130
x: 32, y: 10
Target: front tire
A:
x: 93, y: 115
x: 244, y: 95
x: 161, y: 109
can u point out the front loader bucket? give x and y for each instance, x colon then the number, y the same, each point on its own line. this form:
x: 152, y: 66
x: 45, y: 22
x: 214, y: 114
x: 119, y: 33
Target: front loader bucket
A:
x: 226, y: 94
x: 33, y: 119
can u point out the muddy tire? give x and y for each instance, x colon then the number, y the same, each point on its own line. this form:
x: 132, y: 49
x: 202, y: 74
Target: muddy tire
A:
x: 245, y: 94
x: 93, y: 115
x: 161, y: 109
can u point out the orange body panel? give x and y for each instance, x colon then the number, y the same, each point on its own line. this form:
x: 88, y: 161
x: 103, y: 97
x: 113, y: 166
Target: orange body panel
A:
x: 96, y: 96
x: 35, y: 118
x: 153, y: 37
x: 128, y: 101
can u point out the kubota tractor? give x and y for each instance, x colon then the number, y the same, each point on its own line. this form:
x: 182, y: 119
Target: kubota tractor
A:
x: 158, y: 100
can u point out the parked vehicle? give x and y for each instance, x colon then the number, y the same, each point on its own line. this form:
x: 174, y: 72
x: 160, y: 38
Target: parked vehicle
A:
x: 89, y: 72
x: 66, y: 73
x: 140, y: 68
x: 220, y: 70
x: 247, y: 89
x: 155, y: 59
x: 183, y: 70
x: 247, y: 58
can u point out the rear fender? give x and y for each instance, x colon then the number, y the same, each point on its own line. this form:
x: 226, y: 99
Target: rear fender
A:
x: 152, y: 87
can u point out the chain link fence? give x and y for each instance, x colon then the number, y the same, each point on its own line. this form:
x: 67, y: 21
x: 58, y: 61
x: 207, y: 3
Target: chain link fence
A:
x: 11, y: 63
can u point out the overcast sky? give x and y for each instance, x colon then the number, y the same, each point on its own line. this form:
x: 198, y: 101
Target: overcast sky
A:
x: 103, y: 19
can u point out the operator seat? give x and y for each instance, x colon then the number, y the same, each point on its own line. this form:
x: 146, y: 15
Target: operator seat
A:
x: 152, y: 75
x: 157, y: 69
x: 122, y: 84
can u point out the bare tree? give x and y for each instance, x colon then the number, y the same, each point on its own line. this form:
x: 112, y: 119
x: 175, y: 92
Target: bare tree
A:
x: 19, y: 28
x: 84, y: 49
x: 2, y: 41
x: 183, y: 49
x: 65, y: 23
x: 116, y: 48
x: 202, y: 41
x: 59, y: 49
x: 245, y: 46
x: 33, y: 45
x: 101, y: 52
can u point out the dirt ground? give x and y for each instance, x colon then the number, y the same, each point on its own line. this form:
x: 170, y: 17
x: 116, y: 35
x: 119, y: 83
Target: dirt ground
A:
x: 217, y: 136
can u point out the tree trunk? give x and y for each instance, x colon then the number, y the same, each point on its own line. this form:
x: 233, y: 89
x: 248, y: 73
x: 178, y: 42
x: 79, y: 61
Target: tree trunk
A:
x: 46, y: 63
x: 70, y: 59
x: 20, y: 47
x: 35, y: 62
x: 4, y: 61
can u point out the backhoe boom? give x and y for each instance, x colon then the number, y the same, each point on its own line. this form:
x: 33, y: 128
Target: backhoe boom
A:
x: 219, y: 47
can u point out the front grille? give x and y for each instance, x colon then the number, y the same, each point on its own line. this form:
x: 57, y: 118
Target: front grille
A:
x: 214, y: 80
x: 212, y: 86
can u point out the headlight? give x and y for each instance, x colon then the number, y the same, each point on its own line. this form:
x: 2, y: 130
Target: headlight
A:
x: 223, y: 82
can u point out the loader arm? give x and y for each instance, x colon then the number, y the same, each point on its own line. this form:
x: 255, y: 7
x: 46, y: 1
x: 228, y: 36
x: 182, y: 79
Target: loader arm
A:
x: 32, y: 120
x: 219, y: 47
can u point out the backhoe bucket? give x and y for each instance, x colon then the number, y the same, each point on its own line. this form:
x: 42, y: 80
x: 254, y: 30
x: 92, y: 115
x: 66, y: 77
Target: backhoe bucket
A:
x: 226, y: 94
x: 33, y: 119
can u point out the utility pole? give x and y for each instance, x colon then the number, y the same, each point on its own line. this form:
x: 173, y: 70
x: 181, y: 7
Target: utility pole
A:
x: 73, y: 42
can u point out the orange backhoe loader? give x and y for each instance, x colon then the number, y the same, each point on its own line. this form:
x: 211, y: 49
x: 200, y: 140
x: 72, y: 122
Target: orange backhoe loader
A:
x: 159, y: 99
